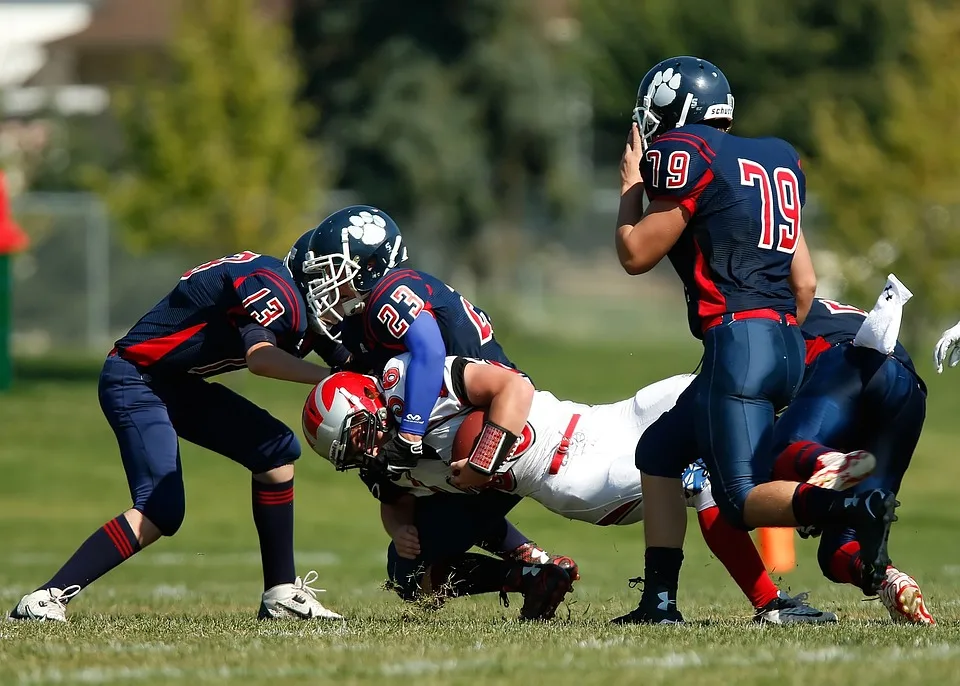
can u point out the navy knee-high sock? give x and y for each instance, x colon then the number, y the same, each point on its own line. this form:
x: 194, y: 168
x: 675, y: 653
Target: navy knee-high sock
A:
x: 273, y: 516
x: 106, y: 548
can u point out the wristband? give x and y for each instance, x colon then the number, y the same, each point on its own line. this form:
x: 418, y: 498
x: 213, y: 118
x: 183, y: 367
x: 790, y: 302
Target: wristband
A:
x: 493, y: 447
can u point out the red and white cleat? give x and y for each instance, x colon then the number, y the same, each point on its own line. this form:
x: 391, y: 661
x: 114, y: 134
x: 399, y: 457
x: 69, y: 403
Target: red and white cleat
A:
x: 839, y: 471
x: 901, y: 596
x: 531, y: 553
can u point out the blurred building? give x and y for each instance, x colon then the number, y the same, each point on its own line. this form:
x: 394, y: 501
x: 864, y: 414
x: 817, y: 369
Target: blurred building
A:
x: 65, y: 54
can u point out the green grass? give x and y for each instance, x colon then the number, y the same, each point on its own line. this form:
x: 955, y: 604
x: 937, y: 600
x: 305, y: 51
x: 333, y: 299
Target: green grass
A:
x: 183, y: 611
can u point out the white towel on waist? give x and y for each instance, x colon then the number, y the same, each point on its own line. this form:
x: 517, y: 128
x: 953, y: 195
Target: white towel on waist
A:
x: 881, y: 329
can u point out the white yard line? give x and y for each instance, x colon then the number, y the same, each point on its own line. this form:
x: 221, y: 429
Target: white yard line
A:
x: 305, y: 558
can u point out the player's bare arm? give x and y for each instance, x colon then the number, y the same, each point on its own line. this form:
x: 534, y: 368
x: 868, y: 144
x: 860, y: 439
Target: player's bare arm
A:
x: 266, y: 359
x: 397, y: 519
x: 643, y: 238
x: 641, y: 246
x: 803, y: 279
x: 508, y: 396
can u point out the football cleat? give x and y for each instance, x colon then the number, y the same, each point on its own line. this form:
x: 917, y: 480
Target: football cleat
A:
x: 792, y: 610
x: 297, y: 600
x: 530, y: 552
x: 543, y: 587
x: 45, y: 605
x: 654, y: 608
x: 901, y: 596
x: 873, y: 514
x: 839, y: 471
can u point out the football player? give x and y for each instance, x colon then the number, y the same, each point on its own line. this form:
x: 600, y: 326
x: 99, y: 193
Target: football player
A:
x: 239, y: 311
x: 368, y: 307
x: 576, y: 460
x: 726, y: 211
x: 854, y: 398
x: 360, y: 296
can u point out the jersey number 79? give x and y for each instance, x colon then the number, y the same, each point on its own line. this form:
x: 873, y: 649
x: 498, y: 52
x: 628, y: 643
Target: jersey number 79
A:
x: 785, y: 205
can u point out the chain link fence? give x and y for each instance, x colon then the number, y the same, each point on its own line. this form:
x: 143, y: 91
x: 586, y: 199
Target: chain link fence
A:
x: 78, y: 288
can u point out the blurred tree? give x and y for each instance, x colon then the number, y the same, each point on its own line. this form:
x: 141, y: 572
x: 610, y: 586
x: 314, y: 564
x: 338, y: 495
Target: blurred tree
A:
x: 780, y: 57
x: 215, y: 156
x: 452, y: 114
x: 893, y: 196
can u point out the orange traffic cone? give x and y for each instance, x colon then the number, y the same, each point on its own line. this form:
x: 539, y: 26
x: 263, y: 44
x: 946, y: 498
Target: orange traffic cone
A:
x: 776, y: 549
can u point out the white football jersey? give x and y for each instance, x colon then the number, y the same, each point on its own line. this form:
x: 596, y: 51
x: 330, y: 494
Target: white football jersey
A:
x: 595, y: 479
x: 546, y: 424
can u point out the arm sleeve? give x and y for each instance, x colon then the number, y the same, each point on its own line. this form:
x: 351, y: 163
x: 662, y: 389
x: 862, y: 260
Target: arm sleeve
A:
x: 252, y: 333
x: 424, y: 376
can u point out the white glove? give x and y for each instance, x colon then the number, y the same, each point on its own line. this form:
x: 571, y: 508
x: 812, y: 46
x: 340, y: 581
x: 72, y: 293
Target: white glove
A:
x: 948, y: 348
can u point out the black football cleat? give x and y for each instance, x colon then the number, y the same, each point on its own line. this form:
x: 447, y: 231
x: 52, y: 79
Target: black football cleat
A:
x: 543, y: 587
x: 656, y: 607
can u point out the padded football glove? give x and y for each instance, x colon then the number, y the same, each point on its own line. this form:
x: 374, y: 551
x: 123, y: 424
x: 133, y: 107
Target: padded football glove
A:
x: 399, y: 454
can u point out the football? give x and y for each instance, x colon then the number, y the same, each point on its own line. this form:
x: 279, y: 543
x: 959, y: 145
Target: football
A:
x: 467, y: 433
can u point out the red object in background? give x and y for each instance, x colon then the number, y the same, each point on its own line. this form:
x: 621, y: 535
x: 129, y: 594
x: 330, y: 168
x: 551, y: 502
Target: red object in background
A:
x: 12, y: 237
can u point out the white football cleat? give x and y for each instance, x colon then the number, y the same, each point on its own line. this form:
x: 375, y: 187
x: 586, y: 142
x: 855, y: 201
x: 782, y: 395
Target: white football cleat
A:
x: 297, y: 600
x: 45, y: 605
x: 792, y: 610
x: 839, y: 471
x: 901, y: 596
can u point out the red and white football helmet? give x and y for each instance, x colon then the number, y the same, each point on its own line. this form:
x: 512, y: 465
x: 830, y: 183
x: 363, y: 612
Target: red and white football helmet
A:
x: 342, y: 417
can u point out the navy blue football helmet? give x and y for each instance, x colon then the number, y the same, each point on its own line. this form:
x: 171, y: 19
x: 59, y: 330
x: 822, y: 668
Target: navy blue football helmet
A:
x: 338, y: 263
x: 680, y: 91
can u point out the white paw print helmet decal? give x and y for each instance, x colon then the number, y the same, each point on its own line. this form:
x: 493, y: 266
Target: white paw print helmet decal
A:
x: 368, y: 228
x: 663, y: 88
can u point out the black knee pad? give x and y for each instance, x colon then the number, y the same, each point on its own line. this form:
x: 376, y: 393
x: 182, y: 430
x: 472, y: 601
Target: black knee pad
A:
x: 166, y: 506
x: 286, y: 452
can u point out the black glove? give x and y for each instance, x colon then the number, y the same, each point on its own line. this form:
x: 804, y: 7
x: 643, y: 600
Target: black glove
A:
x: 398, y: 454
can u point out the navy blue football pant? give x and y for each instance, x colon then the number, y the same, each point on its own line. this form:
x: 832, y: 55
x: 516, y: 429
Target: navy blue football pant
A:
x: 149, y: 414
x: 857, y: 399
x: 751, y: 369
x: 448, y: 524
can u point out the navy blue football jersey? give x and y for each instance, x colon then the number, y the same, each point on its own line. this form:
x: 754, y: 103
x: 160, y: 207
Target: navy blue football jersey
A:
x: 376, y: 335
x: 206, y: 324
x: 744, y: 196
x: 831, y: 323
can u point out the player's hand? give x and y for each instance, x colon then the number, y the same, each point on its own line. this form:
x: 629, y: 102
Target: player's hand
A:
x: 407, y: 541
x: 465, y: 477
x: 401, y: 453
x: 630, y: 162
x: 948, y: 349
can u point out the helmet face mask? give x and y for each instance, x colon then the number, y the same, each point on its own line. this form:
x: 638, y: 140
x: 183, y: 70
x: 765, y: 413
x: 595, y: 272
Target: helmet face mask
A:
x: 345, y: 256
x: 331, y: 294
x: 356, y: 447
x: 345, y: 420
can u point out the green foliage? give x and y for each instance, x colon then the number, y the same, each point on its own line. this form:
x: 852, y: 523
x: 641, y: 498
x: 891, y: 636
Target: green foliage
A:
x: 455, y: 112
x: 780, y: 57
x: 216, y: 158
x: 893, y: 195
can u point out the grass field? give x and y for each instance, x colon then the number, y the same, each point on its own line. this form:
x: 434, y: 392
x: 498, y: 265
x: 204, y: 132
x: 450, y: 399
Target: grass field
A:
x: 183, y: 611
